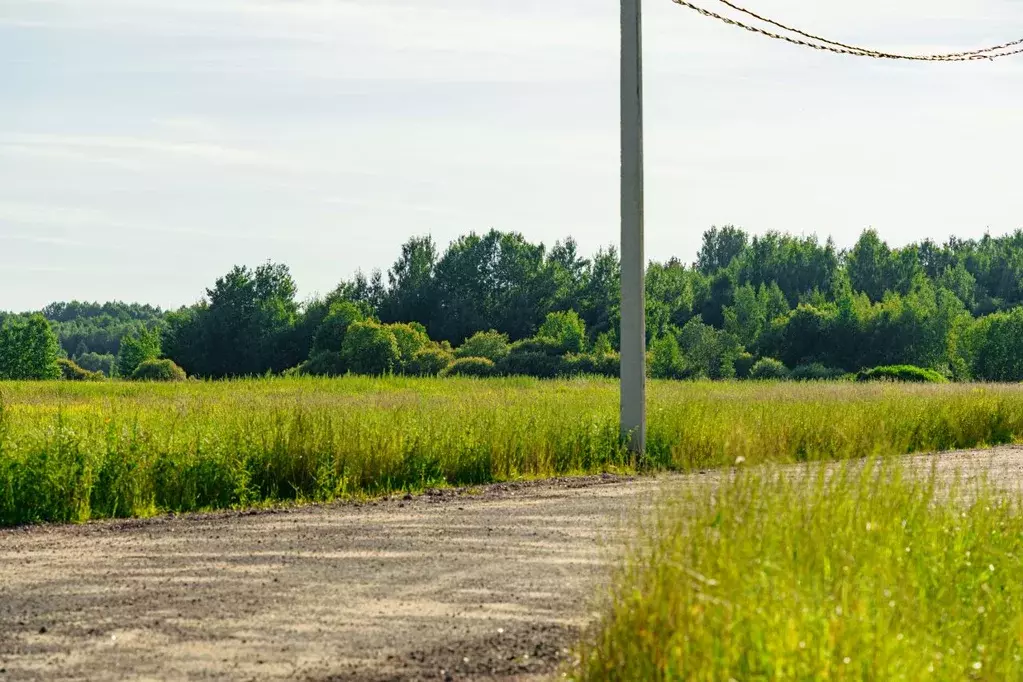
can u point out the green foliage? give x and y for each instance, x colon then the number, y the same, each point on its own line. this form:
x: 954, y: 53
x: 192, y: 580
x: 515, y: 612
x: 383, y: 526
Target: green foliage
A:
x: 743, y: 365
x: 664, y: 359
x: 846, y: 573
x: 411, y: 339
x: 470, y: 367
x: 247, y: 325
x: 774, y: 295
x: 907, y: 373
x: 540, y: 365
x: 158, y: 370
x: 330, y: 335
x: 566, y: 329
x: 815, y: 372
x: 596, y: 364
x: 323, y: 363
x: 491, y: 345
x: 430, y: 362
x: 536, y: 345
x: 140, y: 346
x: 370, y: 348
x: 28, y: 349
x: 603, y: 345
x: 708, y: 352
x: 94, y: 362
x: 994, y: 347
x: 70, y: 371
x: 98, y: 328
x: 767, y: 369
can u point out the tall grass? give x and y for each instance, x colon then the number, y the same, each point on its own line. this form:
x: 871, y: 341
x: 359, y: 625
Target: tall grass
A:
x: 864, y: 575
x: 75, y: 451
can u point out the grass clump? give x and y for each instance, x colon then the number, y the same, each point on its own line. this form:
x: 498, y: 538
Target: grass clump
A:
x: 858, y: 572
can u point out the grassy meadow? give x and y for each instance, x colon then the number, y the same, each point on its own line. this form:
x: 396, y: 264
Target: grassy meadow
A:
x: 73, y: 451
x: 864, y: 574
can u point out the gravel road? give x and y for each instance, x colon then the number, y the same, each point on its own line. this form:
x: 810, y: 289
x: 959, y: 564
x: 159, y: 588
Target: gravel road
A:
x: 492, y: 583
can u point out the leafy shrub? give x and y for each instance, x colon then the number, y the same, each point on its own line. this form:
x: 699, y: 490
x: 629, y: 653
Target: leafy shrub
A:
x: 411, y: 338
x: 470, y: 367
x: 540, y: 365
x: 370, y: 348
x: 743, y: 365
x: 767, y: 369
x: 566, y: 329
x: 331, y: 333
x: 908, y: 373
x: 158, y: 370
x: 70, y: 371
x: 602, y: 345
x: 665, y: 358
x: 491, y: 345
x: 816, y: 372
x: 602, y: 364
x: 323, y: 364
x: 536, y: 345
x: 94, y: 362
x: 429, y: 362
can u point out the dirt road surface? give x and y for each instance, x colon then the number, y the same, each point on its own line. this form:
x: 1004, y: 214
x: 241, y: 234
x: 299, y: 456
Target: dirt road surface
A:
x: 493, y: 583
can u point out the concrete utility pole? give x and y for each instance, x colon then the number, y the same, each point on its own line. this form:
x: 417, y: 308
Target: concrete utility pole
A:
x: 633, y: 334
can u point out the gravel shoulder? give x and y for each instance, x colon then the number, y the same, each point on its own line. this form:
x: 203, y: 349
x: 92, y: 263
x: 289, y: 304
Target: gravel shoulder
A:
x: 491, y: 583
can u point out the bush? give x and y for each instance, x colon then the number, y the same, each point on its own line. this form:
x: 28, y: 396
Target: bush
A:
x: 664, y: 361
x: 767, y: 369
x: 602, y: 345
x: 330, y: 335
x: 370, y: 348
x: 536, y: 345
x: 816, y: 372
x: 491, y: 345
x: 540, y: 365
x: 743, y: 365
x: 602, y: 364
x: 158, y: 370
x: 411, y: 339
x: 429, y: 362
x: 94, y: 362
x: 470, y: 367
x: 70, y: 371
x: 323, y: 364
x: 566, y: 330
x: 907, y: 373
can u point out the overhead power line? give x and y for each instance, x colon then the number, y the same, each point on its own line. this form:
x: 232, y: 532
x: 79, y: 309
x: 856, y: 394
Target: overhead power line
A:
x: 825, y: 45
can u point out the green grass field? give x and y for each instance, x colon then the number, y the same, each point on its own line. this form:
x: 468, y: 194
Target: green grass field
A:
x: 867, y: 575
x: 75, y: 451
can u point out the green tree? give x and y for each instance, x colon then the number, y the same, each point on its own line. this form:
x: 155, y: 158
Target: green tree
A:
x: 331, y: 333
x: 566, y: 329
x: 720, y: 247
x: 411, y: 339
x: 747, y: 317
x: 28, y: 349
x: 137, y: 348
x: 665, y: 358
x: 370, y: 348
x: 411, y: 295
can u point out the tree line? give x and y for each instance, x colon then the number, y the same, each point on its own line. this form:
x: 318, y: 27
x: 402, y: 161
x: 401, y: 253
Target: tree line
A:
x: 498, y: 303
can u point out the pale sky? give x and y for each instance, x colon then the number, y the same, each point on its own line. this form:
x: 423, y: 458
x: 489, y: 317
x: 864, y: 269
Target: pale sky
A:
x: 146, y: 146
